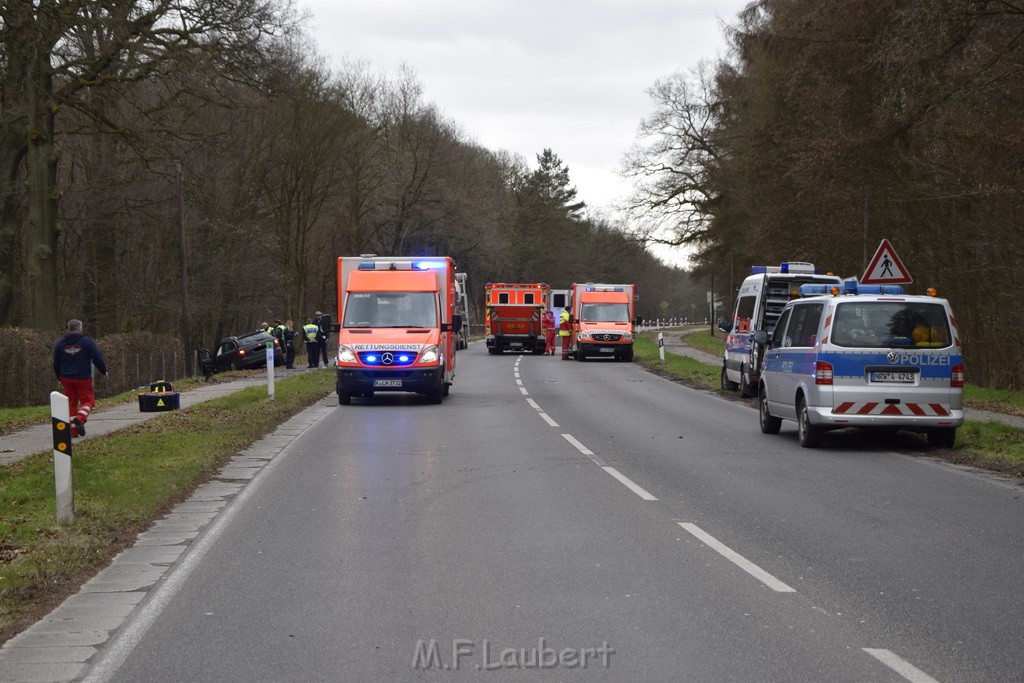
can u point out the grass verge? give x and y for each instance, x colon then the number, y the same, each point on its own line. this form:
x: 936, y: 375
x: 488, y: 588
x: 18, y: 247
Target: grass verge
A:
x: 122, y: 482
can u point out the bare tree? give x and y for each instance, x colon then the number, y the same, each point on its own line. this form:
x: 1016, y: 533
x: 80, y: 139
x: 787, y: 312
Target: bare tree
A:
x: 54, y: 54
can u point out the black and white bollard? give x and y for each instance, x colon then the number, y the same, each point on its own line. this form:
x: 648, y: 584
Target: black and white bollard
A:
x: 661, y: 346
x: 270, y: 370
x: 60, y: 417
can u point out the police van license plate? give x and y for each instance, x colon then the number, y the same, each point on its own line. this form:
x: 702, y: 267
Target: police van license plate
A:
x: 387, y: 383
x: 894, y: 377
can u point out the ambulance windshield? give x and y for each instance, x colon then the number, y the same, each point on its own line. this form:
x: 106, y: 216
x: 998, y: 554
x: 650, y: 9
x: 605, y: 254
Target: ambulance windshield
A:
x: 390, y: 309
x: 891, y: 324
x: 605, y: 313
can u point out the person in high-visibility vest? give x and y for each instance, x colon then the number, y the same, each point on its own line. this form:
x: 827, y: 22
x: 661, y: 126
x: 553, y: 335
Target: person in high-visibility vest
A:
x: 564, y: 331
x: 309, y: 331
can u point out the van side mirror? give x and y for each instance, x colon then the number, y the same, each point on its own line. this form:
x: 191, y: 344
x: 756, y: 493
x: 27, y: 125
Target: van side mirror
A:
x: 761, y: 337
x: 638, y: 321
x: 723, y: 324
x: 455, y: 325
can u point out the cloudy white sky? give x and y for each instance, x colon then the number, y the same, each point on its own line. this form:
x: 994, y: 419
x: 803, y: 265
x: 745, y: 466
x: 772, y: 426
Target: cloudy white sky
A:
x: 523, y: 75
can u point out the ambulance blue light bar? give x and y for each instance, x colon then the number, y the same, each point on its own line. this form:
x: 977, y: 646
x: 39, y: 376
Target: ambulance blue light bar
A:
x: 402, y: 265
x: 605, y: 289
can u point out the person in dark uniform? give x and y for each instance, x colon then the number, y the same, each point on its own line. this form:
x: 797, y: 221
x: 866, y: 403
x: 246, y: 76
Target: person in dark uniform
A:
x: 323, y: 328
x: 73, y: 358
x: 289, y: 345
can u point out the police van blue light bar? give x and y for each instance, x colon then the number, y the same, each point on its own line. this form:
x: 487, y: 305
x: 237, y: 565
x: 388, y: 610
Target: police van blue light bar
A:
x: 815, y: 290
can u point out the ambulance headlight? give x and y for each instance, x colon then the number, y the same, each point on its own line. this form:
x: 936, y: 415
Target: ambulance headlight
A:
x: 430, y: 355
x: 628, y: 336
x: 584, y: 336
x: 346, y: 355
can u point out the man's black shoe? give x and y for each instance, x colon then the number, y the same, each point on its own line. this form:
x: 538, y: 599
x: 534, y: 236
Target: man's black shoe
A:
x: 77, y: 424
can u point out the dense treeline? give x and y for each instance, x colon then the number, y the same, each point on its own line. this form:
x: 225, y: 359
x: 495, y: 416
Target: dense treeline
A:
x: 195, y: 168
x: 836, y: 123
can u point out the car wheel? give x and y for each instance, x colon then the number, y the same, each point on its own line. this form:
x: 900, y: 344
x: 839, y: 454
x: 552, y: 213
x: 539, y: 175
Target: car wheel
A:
x: 580, y: 356
x: 236, y: 365
x: 446, y: 390
x: 437, y: 393
x: 344, y: 399
x: 746, y: 384
x: 727, y: 384
x: 769, y: 423
x: 942, y: 438
x: 807, y: 434
x: 628, y: 357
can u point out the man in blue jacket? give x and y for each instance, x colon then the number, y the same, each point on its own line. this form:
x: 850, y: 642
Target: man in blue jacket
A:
x: 73, y: 358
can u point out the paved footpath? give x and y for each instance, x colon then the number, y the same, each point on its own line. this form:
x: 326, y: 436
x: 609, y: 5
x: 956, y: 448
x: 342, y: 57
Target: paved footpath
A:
x: 21, y: 444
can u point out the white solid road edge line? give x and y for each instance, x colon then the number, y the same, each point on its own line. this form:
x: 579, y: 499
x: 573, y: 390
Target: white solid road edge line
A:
x: 899, y: 665
x: 737, y: 559
x: 630, y: 484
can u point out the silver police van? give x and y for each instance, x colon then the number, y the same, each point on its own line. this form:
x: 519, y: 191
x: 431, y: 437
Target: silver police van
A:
x: 866, y: 356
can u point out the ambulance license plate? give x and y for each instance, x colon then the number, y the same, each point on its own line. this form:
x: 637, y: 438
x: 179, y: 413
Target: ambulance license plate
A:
x: 515, y: 345
x: 387, y: 383
x: 606, y: 349
x: 894, y: 377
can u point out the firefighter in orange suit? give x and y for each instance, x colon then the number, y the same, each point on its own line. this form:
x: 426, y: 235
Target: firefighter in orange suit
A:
x: 547, y: 323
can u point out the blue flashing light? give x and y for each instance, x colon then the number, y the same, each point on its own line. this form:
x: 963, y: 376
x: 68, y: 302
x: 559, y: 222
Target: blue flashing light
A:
x: 367, y: 265
x: 429, y: 265
x: 784, y: 268
x: 851, y: 286
x: 758, y: 270
x: 815, y: 289
x: 404, y: 358
x: 371, y: 359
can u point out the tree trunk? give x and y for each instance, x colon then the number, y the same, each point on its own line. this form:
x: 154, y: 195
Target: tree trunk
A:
x: 39, y: 287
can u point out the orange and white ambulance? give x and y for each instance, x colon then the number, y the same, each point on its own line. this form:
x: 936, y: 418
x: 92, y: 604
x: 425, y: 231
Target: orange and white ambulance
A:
x: 512, y: 320
x: 397, y: 325
x: 603, y: 320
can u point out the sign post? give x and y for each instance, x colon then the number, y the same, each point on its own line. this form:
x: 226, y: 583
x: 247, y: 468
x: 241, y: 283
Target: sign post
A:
x: 270, y: 370
x: 886, y: 268
x: 60, y: 418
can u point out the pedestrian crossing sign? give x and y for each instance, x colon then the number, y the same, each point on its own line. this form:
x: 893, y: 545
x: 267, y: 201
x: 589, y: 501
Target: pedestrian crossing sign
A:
x: 886, y: 268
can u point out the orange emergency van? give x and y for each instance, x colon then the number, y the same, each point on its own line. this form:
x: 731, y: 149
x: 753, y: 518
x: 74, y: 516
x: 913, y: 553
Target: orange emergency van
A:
x: 512, y: 319
x: 603, y: 320
x: 397, y: 325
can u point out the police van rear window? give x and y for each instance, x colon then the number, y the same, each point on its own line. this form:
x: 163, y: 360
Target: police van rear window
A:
x: 891, y: 324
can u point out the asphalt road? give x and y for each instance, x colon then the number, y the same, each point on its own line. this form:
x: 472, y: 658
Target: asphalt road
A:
x: 553, y: 514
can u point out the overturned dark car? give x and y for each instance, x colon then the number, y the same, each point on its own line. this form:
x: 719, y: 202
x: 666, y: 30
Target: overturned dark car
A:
x: 240, y: 353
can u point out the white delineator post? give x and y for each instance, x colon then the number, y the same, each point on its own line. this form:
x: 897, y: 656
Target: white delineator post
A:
x: 270, y: 370
x: 60, y: 415
x: 661, y: 346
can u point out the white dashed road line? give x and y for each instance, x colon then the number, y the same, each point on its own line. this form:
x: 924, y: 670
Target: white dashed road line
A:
x: 629, y: 483
x: 737, y: 559
x: 900, y: 665
x: 580, y: 447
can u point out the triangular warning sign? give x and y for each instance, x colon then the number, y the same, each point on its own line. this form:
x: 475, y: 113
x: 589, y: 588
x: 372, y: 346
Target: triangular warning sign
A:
x: 886, y: 268
x: 159, y: 401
